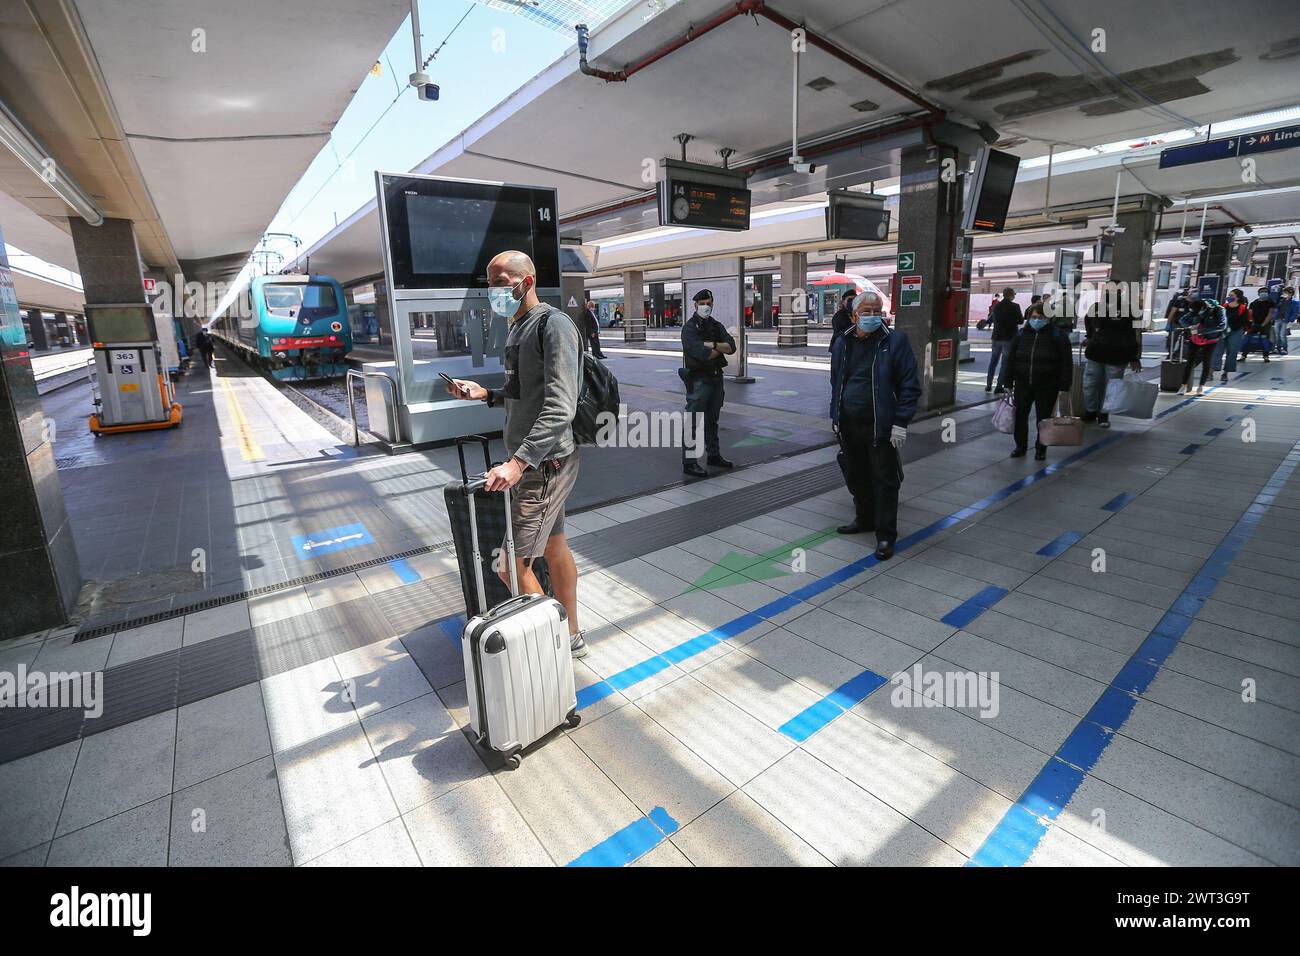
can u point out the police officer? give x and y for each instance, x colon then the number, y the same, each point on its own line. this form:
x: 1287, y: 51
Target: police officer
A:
x: 705, y: 347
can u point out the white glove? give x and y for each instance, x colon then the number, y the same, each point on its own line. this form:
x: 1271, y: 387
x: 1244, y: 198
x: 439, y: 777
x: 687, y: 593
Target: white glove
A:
x: 897, y: 435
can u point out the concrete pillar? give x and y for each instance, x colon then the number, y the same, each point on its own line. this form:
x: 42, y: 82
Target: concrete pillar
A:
x: 657, y: 303
x: 1215, y: 258
x: 763, y: 301
x: 36, y: 330
x: 929, y: 211
x: 38, y: 559
x: 1131, y: 263
x: 108, y: 260
x: 61, y: 328
x: 633, y: 306
x: 792, y: 328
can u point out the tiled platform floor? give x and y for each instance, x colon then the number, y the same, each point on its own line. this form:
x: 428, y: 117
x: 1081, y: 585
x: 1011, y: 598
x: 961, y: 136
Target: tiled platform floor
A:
x: 756, y: 746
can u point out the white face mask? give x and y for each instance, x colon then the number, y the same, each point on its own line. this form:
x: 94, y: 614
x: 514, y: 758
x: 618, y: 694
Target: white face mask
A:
x: 705, y: 311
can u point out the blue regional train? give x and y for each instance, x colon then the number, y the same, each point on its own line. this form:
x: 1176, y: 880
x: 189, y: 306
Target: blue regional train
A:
x: 296, y: 326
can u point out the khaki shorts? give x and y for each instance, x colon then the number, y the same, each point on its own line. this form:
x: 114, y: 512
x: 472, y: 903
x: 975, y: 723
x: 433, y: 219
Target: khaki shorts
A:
x: 537, y: 504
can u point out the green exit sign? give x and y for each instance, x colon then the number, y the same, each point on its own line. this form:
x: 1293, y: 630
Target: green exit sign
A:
x: 906, y: 261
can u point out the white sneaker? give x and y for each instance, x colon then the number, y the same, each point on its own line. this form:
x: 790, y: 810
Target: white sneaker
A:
x: 1201, y: 390
x: 578, y: 646
x: 1182, y: 390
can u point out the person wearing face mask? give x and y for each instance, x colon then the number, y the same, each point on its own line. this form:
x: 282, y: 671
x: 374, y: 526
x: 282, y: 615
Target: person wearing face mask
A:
x: 543, y: 355
x: 874, y: 392
x: 842, y: 320
x: 1210, y: 326
x: 1238, y: 314
x: 705, y: 346
x: 1288, y: 311
x: 1038, y: 367
x: 1110, y: 344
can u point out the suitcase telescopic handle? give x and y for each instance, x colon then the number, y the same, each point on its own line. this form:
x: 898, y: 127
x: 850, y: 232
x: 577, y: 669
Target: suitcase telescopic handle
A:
x: 460, y: 453
x: 471, y: 489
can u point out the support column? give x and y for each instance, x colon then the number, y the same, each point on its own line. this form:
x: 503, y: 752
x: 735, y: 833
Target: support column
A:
x: 108, y: 260
x: 38, y: 559
x: 929, y: 212
x: 763, y: 301
x: 1131, y: 262
x: 634, y: 306
x: 36, y: 329
x: 657, y: 303
x: 61, y: 329
x: 792, y: 328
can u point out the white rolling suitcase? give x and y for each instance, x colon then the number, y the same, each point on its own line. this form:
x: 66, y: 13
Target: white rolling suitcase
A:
x: 518, y: 666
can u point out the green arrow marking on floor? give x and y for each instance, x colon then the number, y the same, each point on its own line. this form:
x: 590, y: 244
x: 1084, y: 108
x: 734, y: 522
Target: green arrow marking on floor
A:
x: 736, y: 568
x: 762, y: 435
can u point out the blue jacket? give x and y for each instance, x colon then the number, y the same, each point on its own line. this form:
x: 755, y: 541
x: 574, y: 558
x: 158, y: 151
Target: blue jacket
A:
x: 890, y: 377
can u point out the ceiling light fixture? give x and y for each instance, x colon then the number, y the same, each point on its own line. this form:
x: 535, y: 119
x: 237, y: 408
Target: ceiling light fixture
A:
x: 32, y: 154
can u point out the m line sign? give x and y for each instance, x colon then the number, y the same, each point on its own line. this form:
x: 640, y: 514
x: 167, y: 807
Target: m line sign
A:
x: 1244, y: 144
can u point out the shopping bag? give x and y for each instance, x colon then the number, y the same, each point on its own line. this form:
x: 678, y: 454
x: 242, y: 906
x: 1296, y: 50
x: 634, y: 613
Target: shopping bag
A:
x: 1061, y: 430
x: 1004, y: 416
x: 1131, y: 396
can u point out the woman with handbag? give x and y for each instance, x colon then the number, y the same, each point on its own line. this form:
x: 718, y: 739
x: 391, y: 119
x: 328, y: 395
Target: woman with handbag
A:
x: 1110, y: 343
x: 1211, y: 324
x: 1038, y: 367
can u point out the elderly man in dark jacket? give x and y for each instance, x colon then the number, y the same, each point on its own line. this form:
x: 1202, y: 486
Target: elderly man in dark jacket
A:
x: 874, y: 392
x: 1038, y: 367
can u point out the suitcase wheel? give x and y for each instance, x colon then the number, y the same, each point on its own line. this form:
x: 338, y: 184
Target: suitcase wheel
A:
x: 573, y: 719
x: 513, y: 761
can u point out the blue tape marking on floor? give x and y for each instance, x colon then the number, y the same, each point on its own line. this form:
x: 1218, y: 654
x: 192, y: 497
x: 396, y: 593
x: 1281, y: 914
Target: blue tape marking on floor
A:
x: 1015, y: 837
x: 968, y: 610
x: 331, y: 539
x: 1247, y: 407
x: 1060, y: 545
x: 1119, y: 501
x: 816, y: 716
x: 453, y: 627
x: 653, y: 665
x: 1190, y: 449
x: 402, y: 568
x: 1215, y: 431
x: 633, y: 841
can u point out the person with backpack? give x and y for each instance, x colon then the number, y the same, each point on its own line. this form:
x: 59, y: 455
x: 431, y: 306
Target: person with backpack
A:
x: 1238, y: 315
x: 1037, y: 367
x: 206, y: 347
x: 706, y: 343
x: 1206, y: 324
x: 543, y: 359
x: 1110, y: 344
x: 1006, y: 318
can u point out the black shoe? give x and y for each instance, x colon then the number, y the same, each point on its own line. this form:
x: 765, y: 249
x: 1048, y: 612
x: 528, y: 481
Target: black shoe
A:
x: 884, y: 550
x: 1040, y: 454
x: 997, y: 391
x: 1018, y: 453
x: 988, y: 388
x: 856, y: 526
x: 717, y: 461
x: 695, y: 469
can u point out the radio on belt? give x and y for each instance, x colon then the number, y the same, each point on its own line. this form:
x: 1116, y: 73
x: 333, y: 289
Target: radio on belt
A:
x: 130, y: 390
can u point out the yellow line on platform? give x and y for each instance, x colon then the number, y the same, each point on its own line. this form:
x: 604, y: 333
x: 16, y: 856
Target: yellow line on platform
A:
x: 248, y: 446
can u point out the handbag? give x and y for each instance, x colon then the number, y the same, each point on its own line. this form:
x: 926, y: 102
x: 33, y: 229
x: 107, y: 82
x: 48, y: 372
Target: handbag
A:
x: 1061, y: 430
x: 1004, y: 416
x: 1131, y: 396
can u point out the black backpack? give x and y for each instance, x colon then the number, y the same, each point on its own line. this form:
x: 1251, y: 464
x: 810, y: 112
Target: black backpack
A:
x: 598, y: 392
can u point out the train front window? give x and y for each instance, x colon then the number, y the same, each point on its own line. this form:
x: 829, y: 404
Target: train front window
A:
x: 305, y: 301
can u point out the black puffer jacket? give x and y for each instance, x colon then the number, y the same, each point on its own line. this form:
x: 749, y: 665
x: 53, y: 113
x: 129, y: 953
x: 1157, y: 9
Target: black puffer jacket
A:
x: 1111, y: 339
x: 1039, y: 359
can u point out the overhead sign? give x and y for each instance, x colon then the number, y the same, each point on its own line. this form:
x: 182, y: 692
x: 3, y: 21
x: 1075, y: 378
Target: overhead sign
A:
x: 1282, y: 137
x: 906, y: 261
x: 910, y: 293
x: 702, y: 197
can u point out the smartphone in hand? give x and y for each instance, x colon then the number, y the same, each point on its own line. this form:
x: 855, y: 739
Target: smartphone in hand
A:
x: 451, y: 383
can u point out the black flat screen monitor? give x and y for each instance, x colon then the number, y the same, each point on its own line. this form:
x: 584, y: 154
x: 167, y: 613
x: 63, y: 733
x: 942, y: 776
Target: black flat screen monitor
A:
x: 111, y: 324
x: 990, y: 194
x: 444, y: 232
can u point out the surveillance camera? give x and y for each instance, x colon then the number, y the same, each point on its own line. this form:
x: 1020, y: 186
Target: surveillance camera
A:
x: 802, y: 167
x: 427, y: 89
x: 1112, y: 230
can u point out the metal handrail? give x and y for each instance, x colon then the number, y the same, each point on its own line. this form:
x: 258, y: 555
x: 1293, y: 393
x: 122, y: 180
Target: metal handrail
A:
x: 352, y: 375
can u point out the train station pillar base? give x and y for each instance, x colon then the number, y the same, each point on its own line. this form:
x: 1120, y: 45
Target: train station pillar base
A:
x: 38, y: 559
x: 929, y: 212
x: 634, y: 306
x: 792, y: 321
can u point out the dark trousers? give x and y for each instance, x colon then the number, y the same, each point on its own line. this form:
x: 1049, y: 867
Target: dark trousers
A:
x: 207, y: 357
x: 873, y: 475
x: 703, y: 397
x: 593, y: 341
x: 1199, y: 355
x: 1043, y: 400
